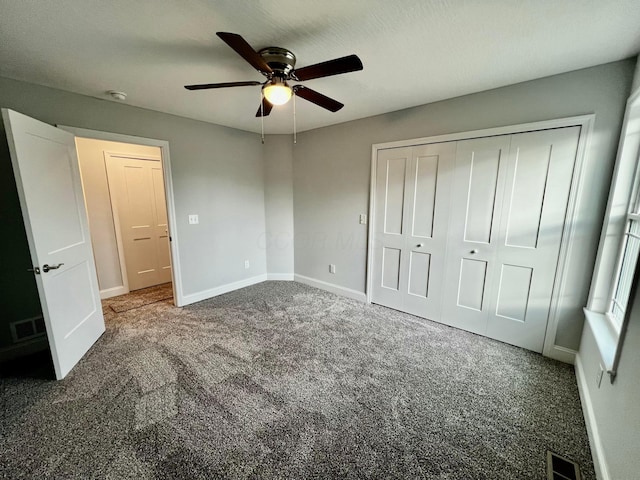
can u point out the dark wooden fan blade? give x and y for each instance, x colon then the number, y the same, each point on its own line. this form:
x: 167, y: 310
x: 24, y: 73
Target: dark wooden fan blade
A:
x: 265, y: 109
x: 317, y: 98
x: 245, y: 50
x: 205, y: 86
x: 350, y: 63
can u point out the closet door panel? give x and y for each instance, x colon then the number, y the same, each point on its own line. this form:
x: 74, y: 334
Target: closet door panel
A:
x: 424, y: 201
x: 481, y: 168
x: 419, y: 270
x: 394, y: 173
x: 477, y: 191
x: 471, y: 284
x: 389, y: 266
x: 410, y: 229
x: 428, y: 189
x: 539, y: 174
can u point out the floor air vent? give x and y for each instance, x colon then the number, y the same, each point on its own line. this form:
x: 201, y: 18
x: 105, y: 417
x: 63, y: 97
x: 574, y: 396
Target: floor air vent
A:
x: 561, y: 468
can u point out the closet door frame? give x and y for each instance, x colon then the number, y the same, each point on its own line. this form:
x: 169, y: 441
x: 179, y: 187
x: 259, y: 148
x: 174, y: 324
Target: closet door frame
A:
x: 585, y: 122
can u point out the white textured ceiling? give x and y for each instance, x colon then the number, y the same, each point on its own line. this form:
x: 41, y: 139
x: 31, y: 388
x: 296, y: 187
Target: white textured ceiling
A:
x: 414, y: 51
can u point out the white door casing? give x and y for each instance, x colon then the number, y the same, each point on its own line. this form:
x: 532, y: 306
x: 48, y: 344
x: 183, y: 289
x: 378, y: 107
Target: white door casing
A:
x: 138, y: 201
x: 47, y: 174
x: 412, y: 191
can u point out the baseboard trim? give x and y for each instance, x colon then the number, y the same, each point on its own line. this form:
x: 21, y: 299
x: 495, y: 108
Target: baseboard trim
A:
x: 113, y: 292
x: 229, y: 287
x: 330, y: 287
x: 23, y: 348
x: 562, y: 354
x: 597, y: 449
x: 282, y: 277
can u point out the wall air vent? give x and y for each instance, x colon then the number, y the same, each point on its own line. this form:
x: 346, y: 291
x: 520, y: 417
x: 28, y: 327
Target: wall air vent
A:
x: 561, y: 468
x: 27, y: 329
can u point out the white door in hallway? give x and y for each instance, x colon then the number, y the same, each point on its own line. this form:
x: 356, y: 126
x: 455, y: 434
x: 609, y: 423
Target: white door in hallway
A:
x: 137, y: 195
x: 45, y: 166
x: 410, y: 219
x: 508, y: 217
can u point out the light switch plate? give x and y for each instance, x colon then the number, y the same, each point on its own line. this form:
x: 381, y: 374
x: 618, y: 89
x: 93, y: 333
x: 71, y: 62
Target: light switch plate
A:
x: 363, y: 219
x: 332, y: 268
x: 193, y: 219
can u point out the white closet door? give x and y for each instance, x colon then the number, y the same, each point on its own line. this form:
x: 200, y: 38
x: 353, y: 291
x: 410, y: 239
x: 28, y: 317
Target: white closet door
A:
x: 473, y: 225
x: 507, y: 219
x: 411, y: 215
x: 389, y: 270
x: 538, y: 180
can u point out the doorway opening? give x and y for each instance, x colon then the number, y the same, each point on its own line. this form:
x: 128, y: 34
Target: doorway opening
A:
x: 124, y: 189
x: 126, y: 205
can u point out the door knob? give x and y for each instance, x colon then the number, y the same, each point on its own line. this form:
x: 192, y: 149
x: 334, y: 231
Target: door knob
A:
x: 473, y: 252
x: 46, y: 268
x: 420, y: 245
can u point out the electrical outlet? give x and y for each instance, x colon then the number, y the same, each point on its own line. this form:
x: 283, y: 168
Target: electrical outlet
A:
x: 193, y: 219
x: 599, y: 376
x: 246, y: 264
x: 332, y: 268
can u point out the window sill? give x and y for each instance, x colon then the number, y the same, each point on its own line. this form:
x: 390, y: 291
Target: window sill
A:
x: 605, y: 335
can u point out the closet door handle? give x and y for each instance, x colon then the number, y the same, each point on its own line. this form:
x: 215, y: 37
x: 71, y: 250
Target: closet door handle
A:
x: 473, y: 252
x: 420, y: 245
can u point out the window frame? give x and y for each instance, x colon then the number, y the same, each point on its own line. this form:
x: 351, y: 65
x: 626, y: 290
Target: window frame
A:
x: 623, y: 207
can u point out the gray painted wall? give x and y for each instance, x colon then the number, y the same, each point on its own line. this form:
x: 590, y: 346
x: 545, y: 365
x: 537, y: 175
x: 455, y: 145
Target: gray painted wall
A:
x: 332, y: 171
x: 636, y: 77
x: 278, y: 195
x: 217, y: 173
x: 615, y: 406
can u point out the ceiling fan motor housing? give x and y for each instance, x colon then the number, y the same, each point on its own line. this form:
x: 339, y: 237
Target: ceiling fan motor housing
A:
x: 281, y: 60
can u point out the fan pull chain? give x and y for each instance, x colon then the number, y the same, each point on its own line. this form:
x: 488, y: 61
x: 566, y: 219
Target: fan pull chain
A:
x: 295, y: 135
x: 262, y: 115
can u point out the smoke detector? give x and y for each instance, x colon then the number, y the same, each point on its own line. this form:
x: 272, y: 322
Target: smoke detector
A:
x: 118, y: 95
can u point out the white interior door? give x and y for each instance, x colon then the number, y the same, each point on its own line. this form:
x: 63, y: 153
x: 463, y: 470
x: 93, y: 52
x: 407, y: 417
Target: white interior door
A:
x: 508, y: 215
x: 475, y: 211
x: 538, y: 180
x: 47, y: 174
x: 411, y: 216
x: 137, y: 193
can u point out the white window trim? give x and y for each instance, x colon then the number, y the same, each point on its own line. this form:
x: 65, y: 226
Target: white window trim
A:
x: 625, y: 188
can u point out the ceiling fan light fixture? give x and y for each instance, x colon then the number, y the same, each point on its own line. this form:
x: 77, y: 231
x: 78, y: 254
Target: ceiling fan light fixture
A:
x: 277, y: 93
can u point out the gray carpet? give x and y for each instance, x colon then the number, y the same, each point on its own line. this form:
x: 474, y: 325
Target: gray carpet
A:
x: 281, y: 380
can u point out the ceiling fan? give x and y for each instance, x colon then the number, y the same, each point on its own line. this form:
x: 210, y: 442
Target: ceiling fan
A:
x: 278, y: 65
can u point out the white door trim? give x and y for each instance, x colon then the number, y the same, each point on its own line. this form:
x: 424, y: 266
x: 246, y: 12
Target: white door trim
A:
x: 176, y: 275
x: 586, y: 123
